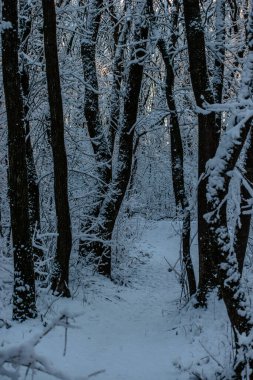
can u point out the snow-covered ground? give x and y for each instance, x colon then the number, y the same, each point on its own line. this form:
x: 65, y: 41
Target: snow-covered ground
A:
x: 136, y: 331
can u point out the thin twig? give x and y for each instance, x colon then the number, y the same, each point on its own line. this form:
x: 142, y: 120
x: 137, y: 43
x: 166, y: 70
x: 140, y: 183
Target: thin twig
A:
x: 173, y: 267
x: 211, y: 355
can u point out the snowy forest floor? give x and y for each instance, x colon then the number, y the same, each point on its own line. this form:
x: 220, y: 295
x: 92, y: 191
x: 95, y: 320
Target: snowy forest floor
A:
x: 141, y: 329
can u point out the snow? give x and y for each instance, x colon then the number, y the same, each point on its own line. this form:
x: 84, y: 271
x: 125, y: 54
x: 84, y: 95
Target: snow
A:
x: 135, y: 331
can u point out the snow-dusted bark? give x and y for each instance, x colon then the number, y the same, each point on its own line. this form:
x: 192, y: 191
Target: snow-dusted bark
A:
x: 118, y: 68
x: 239, y: 12
x: 33, y: 187
x: 122, y: 172
x: 208, y: 135
x: 219, y: 169
x: 243, y: 223
x: 24, y: 304
x: 91, y: 101
x: 92, y: 114
x: 218, y: 77
x: 177, y: 154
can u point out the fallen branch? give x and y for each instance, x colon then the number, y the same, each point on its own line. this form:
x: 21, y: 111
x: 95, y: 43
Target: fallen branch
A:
x: 24, y: 355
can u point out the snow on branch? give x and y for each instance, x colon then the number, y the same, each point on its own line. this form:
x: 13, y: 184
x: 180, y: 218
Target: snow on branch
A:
x: 219, y: 168
x: 226, y: 157
x: 12, y: 359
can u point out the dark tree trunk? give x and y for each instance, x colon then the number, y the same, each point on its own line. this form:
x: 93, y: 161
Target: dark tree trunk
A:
x: 115, y: 22
x: 91, y: 103
x: 33, y: 187
x: 177, y: 156
x: 118, y: 67
x: 224, y: 256
x: 24, y: 303
x: 112, y: 202
x: 60, y: 276
x: 218, y: 77
x: 208, y: 138
x: 243, y: 225
x: 92, y: 114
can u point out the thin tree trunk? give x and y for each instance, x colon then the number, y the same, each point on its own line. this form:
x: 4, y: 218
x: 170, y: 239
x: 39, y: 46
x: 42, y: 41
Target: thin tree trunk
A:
x: 208, y: 138
x: 60, y: 275
x: 219, y: 61
x: 24, y: 302
x: 115, y: 22
x: 33, y: 187
x: 92, y: 115
x: 118, y: 68
x: 177, y: 155
x: 243, y: 225
x: 91, y: 104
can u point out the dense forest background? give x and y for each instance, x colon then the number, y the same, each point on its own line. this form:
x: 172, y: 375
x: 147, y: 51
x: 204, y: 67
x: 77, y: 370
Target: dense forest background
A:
x: 115, y: 109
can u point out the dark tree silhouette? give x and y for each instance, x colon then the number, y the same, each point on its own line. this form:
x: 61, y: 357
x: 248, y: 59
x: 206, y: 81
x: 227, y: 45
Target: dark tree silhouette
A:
x: 208, y: 134
x: 24, y: 305
x: 33, y: 187
x: 60, y: 276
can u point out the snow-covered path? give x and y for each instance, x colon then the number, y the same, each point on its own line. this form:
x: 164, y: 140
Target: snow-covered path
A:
x: 124, y: 330
x: 133, y: 332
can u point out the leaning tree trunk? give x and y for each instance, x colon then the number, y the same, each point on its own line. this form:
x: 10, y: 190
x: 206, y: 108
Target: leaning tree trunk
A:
x: 60, y: 275
x: 33, y: 187
x: 243, y: 224
x: 92, y: 115
x: 113, y: 200
x: 24, y: 303
x: 224, y: 256
x: 208, y: 138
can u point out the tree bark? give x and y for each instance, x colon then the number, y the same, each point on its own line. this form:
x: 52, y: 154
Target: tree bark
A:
x: 120, y: 37
x: 177, y: 159
x: 24, y: 302
x: 60, y: 275
x: 91, y: 104
x: 92, y: 114
x: 224, y: 255
x: 208, y: 138
x: 243, y: 224
x: 113, y: 200
x: 219, y: 61
x: 33, y: 187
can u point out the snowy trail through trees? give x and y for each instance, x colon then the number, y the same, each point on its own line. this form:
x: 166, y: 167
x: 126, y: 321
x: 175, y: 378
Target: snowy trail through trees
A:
x: 124, y: 330
x: 133, y: 332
